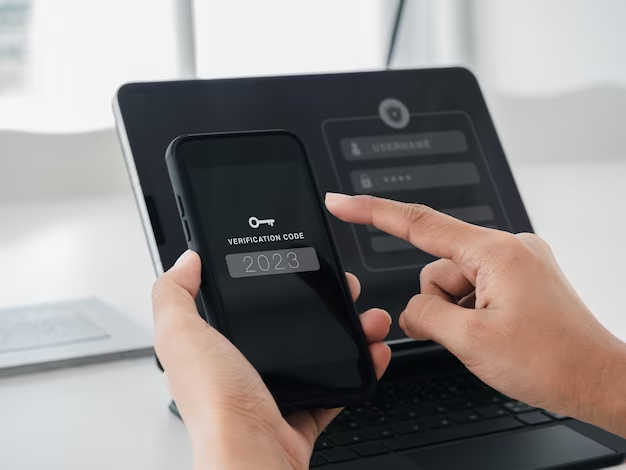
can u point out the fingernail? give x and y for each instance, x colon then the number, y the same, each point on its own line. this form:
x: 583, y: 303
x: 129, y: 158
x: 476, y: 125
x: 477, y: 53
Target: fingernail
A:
x: 336, y: 199
x: 181, y: 258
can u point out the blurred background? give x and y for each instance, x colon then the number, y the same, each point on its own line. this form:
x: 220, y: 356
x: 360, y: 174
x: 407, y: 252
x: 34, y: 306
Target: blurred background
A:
x: 553, y: 72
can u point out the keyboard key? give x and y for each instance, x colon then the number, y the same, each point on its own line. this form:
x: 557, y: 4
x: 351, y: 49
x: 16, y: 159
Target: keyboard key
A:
x: 435, y: 422
x: 534, y: 417
x: 316, y: 461
x: 368, y: 417
x: 485, y: 399
x: 555, y: 415
x: 370, y: 449
x: 460, y: 405
x: 339, y: 454
x: 426, y: 410
x: 518, y: 407
x: 346, y: 438
x: 452, y: 433
x: 323, y: 443
x: 406, y: 427
x: 490, y: 412
x: 375, y: 433
x: 341, y: 426
x: 401, y: 414
x: 464, y: 417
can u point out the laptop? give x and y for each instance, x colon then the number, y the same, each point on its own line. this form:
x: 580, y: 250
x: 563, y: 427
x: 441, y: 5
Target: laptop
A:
x: 413, y: 135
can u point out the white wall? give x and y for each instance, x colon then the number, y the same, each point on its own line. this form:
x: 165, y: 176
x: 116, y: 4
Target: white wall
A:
x: 44, y: 166
x: 576, y: 126
x: 554, y: 72
x: 543, y: 47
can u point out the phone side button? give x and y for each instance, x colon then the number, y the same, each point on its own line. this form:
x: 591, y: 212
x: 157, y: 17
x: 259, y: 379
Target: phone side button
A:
x: 187, y: 232
x: 181, y: 208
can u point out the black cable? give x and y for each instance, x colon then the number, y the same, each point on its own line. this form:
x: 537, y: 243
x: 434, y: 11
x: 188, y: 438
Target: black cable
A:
x: 394, y: 34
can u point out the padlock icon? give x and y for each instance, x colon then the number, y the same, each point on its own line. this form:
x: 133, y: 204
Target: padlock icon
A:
x: 366, y: 181
x: 356, y: 150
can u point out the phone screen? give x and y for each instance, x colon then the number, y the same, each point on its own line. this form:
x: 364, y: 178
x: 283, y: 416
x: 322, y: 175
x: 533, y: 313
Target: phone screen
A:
x: 266, y: 241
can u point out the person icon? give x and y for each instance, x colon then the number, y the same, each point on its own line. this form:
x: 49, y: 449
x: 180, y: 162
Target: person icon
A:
x: 356, y: 150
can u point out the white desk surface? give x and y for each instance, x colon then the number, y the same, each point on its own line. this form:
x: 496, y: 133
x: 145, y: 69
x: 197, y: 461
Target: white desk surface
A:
x: 115, y: 415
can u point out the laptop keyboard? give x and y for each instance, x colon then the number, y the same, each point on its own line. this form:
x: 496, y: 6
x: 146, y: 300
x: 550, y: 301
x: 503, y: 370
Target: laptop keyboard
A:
x: 418, y: 412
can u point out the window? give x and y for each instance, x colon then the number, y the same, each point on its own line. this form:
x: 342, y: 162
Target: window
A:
x: 76, y: 53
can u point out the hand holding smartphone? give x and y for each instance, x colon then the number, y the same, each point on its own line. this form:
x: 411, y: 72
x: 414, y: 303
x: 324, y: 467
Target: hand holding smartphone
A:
x: 272, y: 280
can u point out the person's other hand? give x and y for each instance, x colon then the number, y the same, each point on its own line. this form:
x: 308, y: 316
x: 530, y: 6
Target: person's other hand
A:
x: 501, y: 304
x: 231, y: 417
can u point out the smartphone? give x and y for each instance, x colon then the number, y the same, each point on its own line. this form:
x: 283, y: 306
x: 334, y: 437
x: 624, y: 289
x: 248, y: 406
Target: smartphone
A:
x: 272, y: 279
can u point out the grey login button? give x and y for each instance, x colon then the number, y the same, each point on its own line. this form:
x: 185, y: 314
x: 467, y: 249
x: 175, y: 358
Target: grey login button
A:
x: 443, y: 175
x: 404, y: 145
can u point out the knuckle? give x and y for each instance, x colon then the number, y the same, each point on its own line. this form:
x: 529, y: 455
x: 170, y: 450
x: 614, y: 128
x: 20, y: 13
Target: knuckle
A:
x: 419, y: 309
x: 504, y: 240
x: 374, y: 201
x: 506, y: 247
x: 533, y: 240
x: 428, y: 272
x: 416, y: 213
x: 437, y: 273
x: 413, y: 305
x: 476, y: 328
x: 528, y: 237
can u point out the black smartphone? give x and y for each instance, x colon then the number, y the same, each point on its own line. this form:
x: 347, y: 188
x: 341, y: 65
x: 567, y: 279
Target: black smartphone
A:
x: 272, y: 279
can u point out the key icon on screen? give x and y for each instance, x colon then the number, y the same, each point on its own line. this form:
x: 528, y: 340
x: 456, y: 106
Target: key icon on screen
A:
x: 255, y: 223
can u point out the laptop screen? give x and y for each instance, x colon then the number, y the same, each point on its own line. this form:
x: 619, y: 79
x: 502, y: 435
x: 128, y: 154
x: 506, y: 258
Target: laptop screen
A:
x: 413, y: 135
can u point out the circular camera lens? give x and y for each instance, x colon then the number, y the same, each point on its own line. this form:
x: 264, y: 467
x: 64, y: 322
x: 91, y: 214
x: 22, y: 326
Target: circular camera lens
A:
x: 394, y: 113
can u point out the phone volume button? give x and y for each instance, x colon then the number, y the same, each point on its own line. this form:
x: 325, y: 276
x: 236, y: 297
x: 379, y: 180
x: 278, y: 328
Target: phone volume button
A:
x: 187, y: 231
x: 181, y: 208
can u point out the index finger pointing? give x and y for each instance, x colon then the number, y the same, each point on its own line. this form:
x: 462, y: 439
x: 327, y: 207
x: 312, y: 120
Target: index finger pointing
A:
x: 431, y: 231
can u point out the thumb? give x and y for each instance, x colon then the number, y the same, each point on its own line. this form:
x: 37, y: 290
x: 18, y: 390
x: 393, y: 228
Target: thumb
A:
x: 186, y: 272
x: 174, y: 292
x: 430, y: 317
x: 178, y: 327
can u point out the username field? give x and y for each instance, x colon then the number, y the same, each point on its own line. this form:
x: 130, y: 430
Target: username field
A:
x: 405, y: 145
